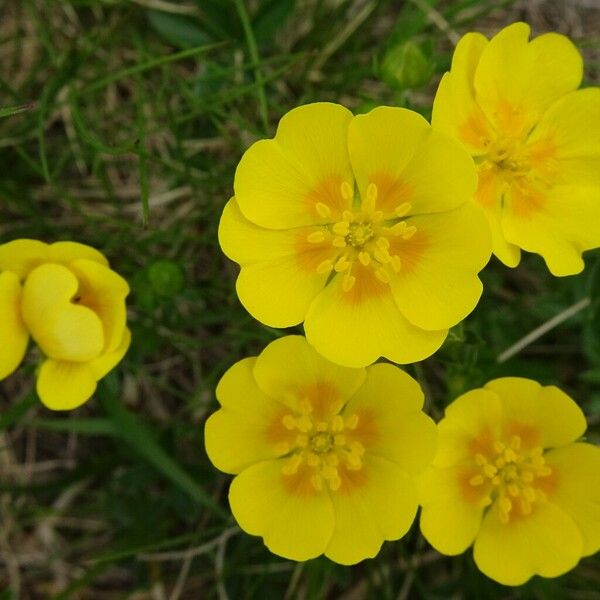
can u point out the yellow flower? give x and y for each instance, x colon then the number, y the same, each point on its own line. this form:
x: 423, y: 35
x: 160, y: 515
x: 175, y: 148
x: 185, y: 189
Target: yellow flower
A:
x: 510, y: 476
x: 325, y: 456
x: 360, y: 227
x: 535, y: 138
x: 72, y: 304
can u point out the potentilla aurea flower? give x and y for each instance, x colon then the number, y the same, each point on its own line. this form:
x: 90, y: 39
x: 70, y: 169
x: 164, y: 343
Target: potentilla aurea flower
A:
x: 511, y: 478
x: 66, y: 298
x: 361, y: 227
x: 535, y: 138
x: 324, y: 456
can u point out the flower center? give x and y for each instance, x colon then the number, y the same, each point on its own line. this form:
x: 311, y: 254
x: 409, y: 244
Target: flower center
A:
x: 362, y: 236
x: 509, y: 158
x: 511, y: 475
x: 321, y: 445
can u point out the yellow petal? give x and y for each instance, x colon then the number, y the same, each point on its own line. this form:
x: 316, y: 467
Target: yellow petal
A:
x: 475, y: 415
x: 577, y: 491
x: 564, y: 222
x: 571, y: 128
x: 63, y: 330
x: 295, y: 521
x: 517, y: 80
x: 390, y: 421
x: 65, y: 385
x: 22, y: 256
x: 248, y: 427
x: 455, y: 111
x: 104, y: 292
x: 381, y: 507
x: 279, y: 182
x: 66, y: 252
x: 549, y: 410
x: 105, y: 363
x: 545, y: 543
x: 13, y: 334
x: 396, y: 150
x: 355, y: 328
x: 289, y: 370
x: 437, y: 285
x: 449, y: 521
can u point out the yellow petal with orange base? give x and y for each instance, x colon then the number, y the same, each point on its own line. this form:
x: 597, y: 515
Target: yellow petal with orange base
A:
x: 547, y: 542
x: 390, y: 421
x: 437, y: 285
x: 294, y: 519
x: 291, y: 370
x: 248, y: 427
x: 13, y: 333
x: 279, y: 182
x: 353, y: 328
x: 374, y: 504
x: 577, y: 489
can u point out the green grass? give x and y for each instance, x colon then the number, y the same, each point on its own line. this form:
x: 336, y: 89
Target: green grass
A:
x: 121, y: 128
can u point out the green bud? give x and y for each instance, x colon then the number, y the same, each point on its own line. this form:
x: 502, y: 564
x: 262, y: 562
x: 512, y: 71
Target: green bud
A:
x: 166, y: 277
x: 406, y: 67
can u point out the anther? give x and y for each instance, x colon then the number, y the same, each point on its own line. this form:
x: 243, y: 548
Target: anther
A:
x: 342, y: 264
x: 339, y: 242
x: 347, y: 191
x: 352, y: 422
x: 289, y: 422
x: 312, y: 459
x: 337, y: 423
x: 323, y: 210
x: 410, y: 231
x: 341, y: 228
x: 292, y: 464
x: 364, y: 258
x: 382, y: 275
x: 403, y: 209
x: 348, y: 282
x: 371, y: 198
x: 476, y: 480
x: 325, y: 267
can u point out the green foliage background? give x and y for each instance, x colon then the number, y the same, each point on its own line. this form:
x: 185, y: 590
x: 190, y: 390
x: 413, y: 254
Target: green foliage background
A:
x: 122, y: 125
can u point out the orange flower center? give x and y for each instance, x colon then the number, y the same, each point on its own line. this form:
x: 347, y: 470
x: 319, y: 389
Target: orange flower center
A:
x: 511, y: 477
x: 509, y: 158
x: 322, y: 445
x: 362, y: 236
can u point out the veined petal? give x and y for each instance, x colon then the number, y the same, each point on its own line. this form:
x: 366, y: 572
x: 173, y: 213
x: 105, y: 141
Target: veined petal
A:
x: 449, y: 519
x: 63, y: 385
x: 517, y: 80
x: 390, y: 421
x: 455, y: 111
x: 279, y: 183
x: 13, y: 334
x: 577, y: 489
x: 547, y: 542
x: 103, y: 291
x: 355, y: 327
x: 63, y: 330
x: 556, y: 417
x: 295, y: 521
x: 248, y: 427
x: 374, y: 504
x: 290, y: 370
x: 559, y: 224
x: 437, y: 285
x: 22, y: 256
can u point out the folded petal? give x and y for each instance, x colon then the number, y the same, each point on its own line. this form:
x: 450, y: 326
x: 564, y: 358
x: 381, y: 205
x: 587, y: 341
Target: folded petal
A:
x: 290, y: 370
x: 559, y: 224
x: 374, y: 504
x: 63, y: 385
x: 285, y: 182
x: 549, y: 410
x: 13, y: 333
x: 390, y: 422
x: 22, y: 256
x: 66, y: 252
x: 248, y: 428
x: 546, y: 543
x: 437, y: 285
x: 450, y: 519
x: 105, y: 363
x: 64, y: 330
x: 294, y: 519
x: 577, y: 489
x: 517, y: 80
x: 355, y: 327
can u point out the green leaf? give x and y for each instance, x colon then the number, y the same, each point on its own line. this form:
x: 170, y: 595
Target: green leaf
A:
x: 83, y: 426
x: 181, y: 32
x: 17, y: 410
x: 140, y: 438
x: 271, y: 15
x: 14, y: 110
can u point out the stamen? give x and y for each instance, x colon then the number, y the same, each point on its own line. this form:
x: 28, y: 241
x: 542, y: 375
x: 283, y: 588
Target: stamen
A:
x: 323, y: 210
x: 316, y: 237
x: 403, y: 209
x: 325, y: 267
x: 396, y: 263
x: 382, y: 275
x: 348, y: 282
x: 410, y: 232
x: 341, y: 228
x: 371, y: 199
x: 364, y: 258
x: 339, y: 242
x: 347, y: 191
x: 342, y: 264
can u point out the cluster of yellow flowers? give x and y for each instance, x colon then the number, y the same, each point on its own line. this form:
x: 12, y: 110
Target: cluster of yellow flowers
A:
x: 371, y: 230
